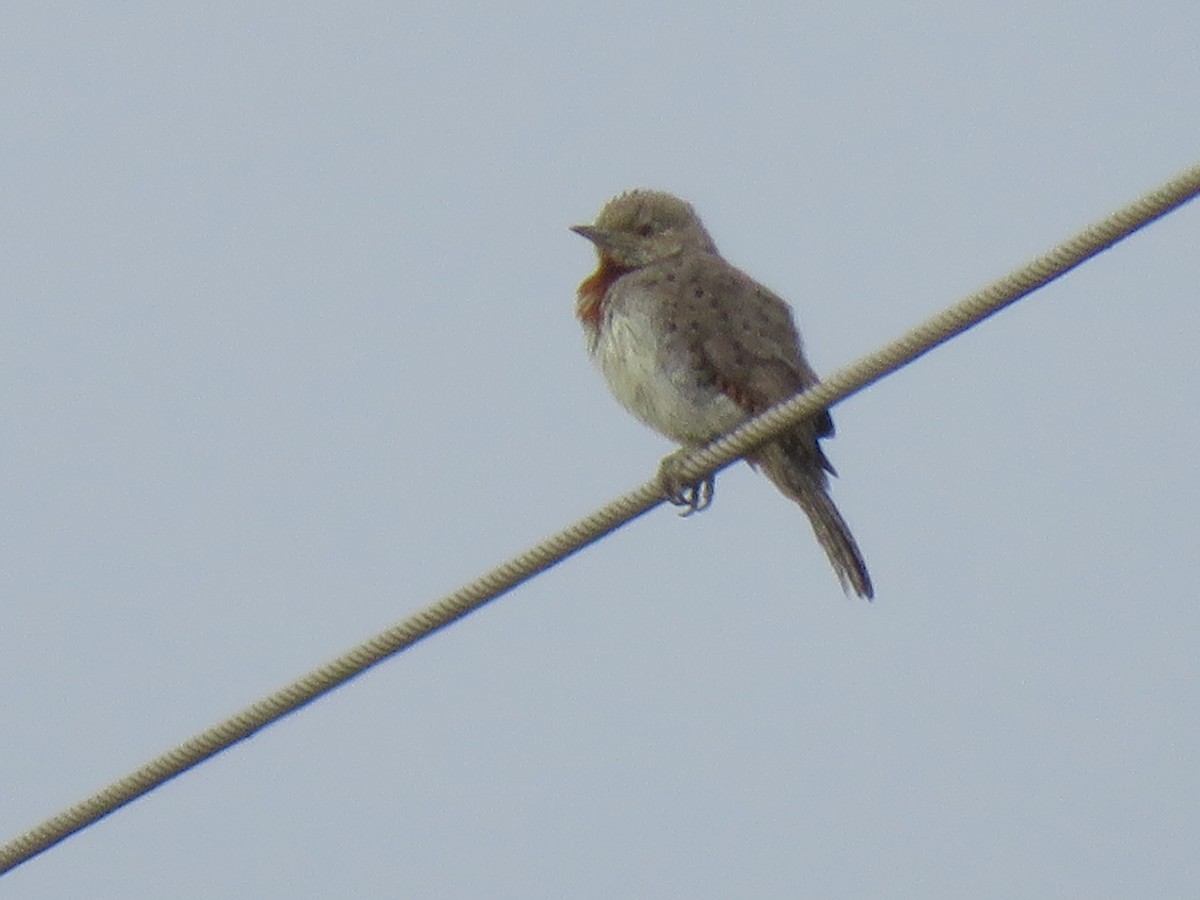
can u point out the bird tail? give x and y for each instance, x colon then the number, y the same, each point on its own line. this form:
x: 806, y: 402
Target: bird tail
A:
x: 799, y: 473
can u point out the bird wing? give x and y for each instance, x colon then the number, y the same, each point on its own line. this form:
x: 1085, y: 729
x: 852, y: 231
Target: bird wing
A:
x: 748, y: 340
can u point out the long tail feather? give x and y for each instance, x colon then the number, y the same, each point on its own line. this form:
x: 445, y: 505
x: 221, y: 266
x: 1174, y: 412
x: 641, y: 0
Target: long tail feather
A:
x: 800, y: 477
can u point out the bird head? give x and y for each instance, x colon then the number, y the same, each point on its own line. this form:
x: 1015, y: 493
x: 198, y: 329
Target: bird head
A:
x: 642, y: 227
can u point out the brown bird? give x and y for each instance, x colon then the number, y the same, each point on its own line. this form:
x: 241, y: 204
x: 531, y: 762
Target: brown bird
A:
x: 693, y: 347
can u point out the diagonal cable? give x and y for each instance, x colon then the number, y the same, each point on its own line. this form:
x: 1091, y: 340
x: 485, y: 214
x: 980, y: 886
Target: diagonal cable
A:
x: 940, y: 328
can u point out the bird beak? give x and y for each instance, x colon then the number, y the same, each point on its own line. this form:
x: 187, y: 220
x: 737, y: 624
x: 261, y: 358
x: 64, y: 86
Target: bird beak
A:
x: 607, y: 242
x: 595, y: 235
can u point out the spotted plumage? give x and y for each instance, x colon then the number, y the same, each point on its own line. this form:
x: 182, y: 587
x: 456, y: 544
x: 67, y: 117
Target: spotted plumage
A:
x: 693, y: 347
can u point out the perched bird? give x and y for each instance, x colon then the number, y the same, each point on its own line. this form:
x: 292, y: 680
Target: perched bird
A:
x: 693, y: 347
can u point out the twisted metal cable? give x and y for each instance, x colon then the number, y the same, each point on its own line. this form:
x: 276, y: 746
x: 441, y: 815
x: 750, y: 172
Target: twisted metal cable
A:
x: 697, y: 465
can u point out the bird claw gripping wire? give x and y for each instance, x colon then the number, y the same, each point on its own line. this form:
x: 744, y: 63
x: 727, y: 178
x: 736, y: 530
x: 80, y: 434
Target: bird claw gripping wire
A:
x: 695, y: 496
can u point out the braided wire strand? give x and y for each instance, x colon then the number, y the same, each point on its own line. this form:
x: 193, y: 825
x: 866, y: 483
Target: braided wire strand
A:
x: 697, y: 465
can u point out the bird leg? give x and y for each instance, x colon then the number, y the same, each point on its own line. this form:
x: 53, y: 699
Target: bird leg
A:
x: 696, y: 496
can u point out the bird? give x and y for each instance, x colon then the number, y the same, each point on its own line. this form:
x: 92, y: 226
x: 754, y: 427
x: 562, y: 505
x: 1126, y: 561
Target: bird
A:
x: 693, y: 347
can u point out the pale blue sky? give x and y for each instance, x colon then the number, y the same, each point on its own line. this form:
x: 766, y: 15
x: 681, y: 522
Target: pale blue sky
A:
x: 288, y: 352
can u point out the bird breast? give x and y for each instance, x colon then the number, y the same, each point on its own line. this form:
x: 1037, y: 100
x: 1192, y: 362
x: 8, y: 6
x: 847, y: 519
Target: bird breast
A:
x: 651, y: 372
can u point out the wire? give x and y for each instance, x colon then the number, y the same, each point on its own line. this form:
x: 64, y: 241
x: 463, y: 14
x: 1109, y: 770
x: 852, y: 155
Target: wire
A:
x: 694, y: 466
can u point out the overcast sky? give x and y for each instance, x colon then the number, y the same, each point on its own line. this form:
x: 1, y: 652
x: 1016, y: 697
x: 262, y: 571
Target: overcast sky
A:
x: 287, y: 351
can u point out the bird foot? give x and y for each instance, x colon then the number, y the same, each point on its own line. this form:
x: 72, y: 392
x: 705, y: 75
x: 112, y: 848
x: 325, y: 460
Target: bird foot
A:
x: 695, y: 496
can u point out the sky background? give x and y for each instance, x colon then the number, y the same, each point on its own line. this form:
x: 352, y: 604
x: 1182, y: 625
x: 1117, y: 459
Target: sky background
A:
x: 287, y: 351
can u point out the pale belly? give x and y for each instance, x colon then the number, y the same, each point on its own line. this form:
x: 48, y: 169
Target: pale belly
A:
x: 656, y: 384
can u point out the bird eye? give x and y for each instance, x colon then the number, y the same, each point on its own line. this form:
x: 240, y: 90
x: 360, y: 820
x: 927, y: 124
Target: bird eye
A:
x: 645, y: 230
